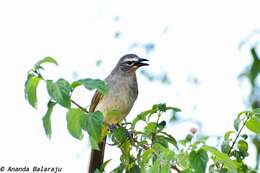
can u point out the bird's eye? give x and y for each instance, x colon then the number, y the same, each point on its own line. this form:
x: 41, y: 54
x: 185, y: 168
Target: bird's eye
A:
x: 129, y: 63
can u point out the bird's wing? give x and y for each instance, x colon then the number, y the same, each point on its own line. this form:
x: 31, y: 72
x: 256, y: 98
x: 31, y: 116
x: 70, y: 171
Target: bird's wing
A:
x: 95, y: 100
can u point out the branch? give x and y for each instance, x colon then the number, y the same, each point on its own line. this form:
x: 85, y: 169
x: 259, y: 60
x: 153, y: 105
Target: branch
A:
x: 238, y: 134
x: 82, y: 108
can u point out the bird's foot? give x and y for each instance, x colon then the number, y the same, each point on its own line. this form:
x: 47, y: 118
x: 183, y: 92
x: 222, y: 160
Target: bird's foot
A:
x: 129, y: 134
x: 112, y: 127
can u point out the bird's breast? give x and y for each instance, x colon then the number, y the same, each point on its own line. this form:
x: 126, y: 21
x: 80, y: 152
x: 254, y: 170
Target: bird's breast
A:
x: 119, y: 101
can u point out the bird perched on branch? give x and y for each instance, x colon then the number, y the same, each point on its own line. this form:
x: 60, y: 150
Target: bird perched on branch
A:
x: 115, y: 106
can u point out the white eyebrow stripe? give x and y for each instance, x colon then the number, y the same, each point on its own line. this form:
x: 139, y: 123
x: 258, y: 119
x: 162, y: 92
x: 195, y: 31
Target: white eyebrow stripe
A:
x: 131, y: 59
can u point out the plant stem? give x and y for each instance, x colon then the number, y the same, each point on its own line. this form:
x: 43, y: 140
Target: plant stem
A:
x: 82, y: 108
x: 154, y: 134
x: 238, y: 134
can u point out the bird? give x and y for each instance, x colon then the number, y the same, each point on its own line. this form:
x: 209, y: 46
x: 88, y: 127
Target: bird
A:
x: 118, y: 102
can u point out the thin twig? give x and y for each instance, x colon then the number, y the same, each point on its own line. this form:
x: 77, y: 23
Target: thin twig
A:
x: 154, y: 133
x: 82, y: 108
x: 238, y: 134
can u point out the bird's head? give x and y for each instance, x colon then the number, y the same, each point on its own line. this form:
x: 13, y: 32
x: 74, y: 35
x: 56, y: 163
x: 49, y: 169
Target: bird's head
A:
x: 131, y: 62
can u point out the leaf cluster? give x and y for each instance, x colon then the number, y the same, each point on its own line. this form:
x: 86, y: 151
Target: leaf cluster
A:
x: 60, y: 93
x: 152, y: 148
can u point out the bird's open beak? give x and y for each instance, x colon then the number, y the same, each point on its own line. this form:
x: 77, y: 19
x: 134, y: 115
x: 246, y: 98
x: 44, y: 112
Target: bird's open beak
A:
x: 142, y: 62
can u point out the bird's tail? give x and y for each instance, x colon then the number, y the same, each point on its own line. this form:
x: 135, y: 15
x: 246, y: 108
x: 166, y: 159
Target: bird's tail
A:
x: 97, y: 157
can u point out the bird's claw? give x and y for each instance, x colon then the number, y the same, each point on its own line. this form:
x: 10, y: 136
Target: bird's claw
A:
x: 112, y: 127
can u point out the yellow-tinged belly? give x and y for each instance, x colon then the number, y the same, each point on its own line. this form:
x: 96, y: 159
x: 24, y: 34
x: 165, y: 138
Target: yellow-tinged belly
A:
x: 114, y: 108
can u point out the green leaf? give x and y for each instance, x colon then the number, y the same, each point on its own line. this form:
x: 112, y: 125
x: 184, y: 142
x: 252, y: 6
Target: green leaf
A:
x: 119, y: 134
x: 183, y: 159
x: 162, y: 107
x: 47, y: 119
x: 155, y: 167
x: 60, y: 92
x: 225, y: 147
x: 46, y: 60
x: 119, y: 169
x: 165, y: 168
x: 198, y: 160
x: 103, y: 166
x: 147, y: 155
x: 255, y: 67
x: 237, y: 123
x: 74, y: 117
x: 75, y: 84
x: 93, y: 123
x: 253, y: 124
x: 231, y: 165
x: 93, y: 143
x: 187, y: 139
x: 243, y: 112
x: 174, y: 109
x: 227, y: 134
x: 223, y: 170
x: 161, y: 140
x: 97, y: 171
x: 150, y: 128
x: 188, y: 170
x: 135, y: 169
x: 30, y: 89
x: 167, y: 155
x: 257, y: 111
x: 141, y: 117
x: 244, y: 136
x: 92, y: 84
x: 242, y: 146
x: 171, y: 139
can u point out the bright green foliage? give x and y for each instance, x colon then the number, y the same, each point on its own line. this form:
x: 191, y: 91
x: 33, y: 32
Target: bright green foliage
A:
x: 93, y: 123
x: 97, y: 171
x: 120, y: 135
x: 92, y: 84
x: 198, y: 160
x: 252, y: 72
x: 93, y: 143
x: 242, y: 147
x: 151, y: 149
x: 255, y: 66
x: 33, y: 79
x: 252, y: 75
x: 60, y: 92
x: 30, y: 89
x: 74, y: 117
x: 223, y: 158
x: 45, y: 60
x: 228, y: 133
x: 237, y: 123
x: 47, y: 119
x: 253, y: 124
x: 225, y: 146
x: 151, y: 128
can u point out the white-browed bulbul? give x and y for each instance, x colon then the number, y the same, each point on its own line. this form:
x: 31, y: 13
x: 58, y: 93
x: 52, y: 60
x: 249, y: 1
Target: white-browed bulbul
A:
x: 115, y: 106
